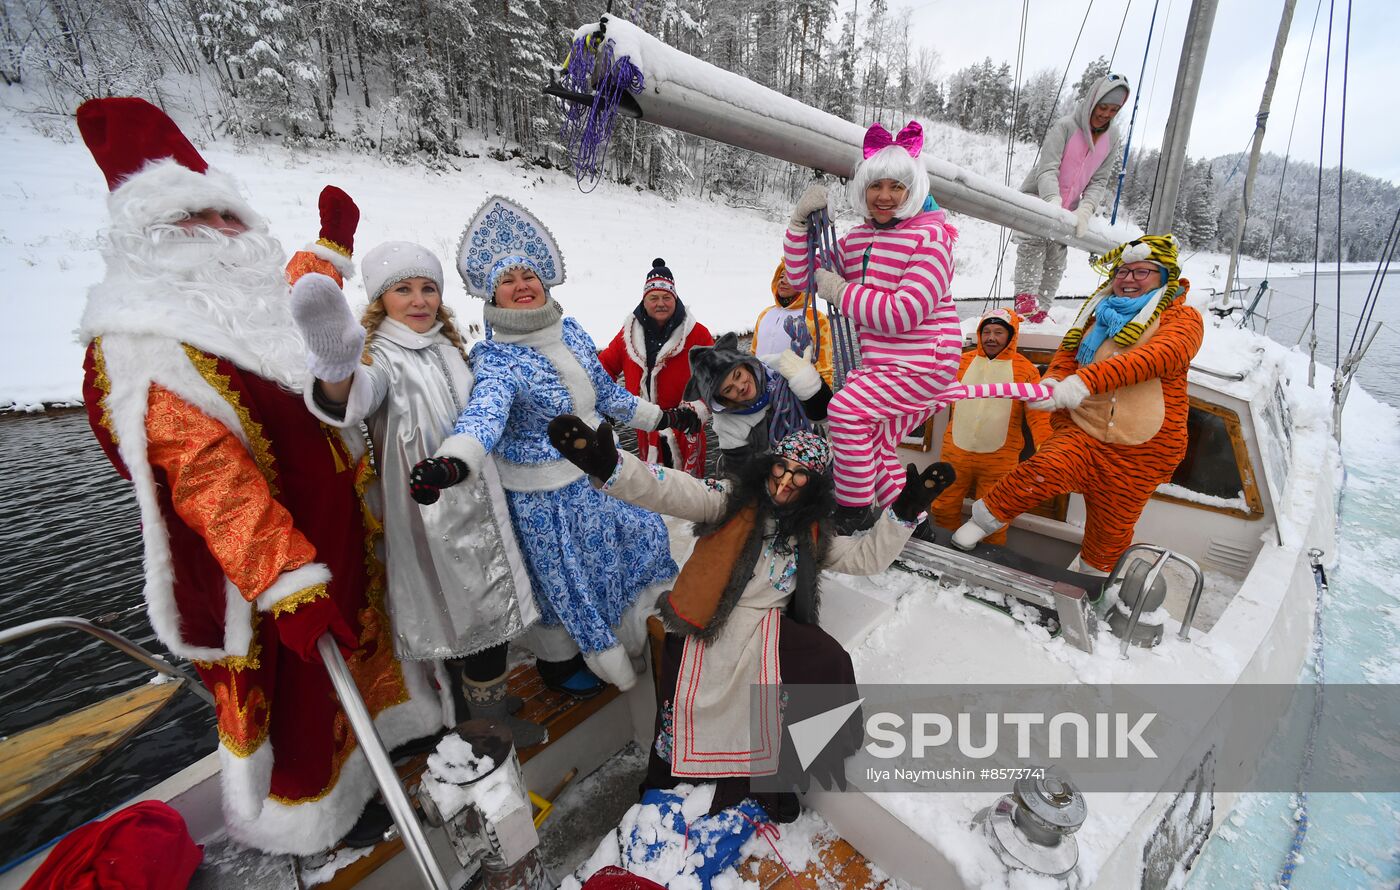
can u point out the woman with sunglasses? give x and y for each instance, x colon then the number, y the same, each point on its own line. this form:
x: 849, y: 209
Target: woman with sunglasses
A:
x: 1120, y: 406
x: 743, y: 610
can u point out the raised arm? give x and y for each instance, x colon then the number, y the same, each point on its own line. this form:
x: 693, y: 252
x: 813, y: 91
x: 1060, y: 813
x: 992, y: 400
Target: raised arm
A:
x: 612, y: 399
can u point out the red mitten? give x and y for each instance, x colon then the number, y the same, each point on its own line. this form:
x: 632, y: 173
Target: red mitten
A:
x: 304, y: 620
x: 339, y: 219
x: 330, y: 254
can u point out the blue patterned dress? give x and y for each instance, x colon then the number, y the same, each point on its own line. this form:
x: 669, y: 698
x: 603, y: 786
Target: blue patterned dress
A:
x: 588, y: 554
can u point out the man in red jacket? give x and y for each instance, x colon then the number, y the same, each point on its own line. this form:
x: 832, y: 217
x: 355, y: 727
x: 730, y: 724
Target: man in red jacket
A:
x: 652, y: 352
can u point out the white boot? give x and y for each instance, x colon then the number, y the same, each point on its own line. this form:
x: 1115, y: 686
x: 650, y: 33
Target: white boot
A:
x: 612, y: 666
x: 1082, y: 567
x: 981, y: 524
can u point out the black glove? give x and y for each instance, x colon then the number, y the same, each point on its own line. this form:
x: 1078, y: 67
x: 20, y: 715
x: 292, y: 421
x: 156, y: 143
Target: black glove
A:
x: 921, y: 488
x: 593, y: 451
x: 682, y: 419
x: 431, y: 476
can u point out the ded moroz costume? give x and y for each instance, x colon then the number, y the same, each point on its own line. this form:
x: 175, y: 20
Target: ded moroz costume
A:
x: 253, y: 518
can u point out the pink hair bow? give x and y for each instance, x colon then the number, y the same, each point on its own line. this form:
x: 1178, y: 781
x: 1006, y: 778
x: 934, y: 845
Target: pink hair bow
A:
x: 911, y: 139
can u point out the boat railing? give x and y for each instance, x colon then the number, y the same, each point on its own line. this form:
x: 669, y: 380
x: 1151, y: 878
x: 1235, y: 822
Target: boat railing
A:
x: 112, y: 638
x: 382, y: 767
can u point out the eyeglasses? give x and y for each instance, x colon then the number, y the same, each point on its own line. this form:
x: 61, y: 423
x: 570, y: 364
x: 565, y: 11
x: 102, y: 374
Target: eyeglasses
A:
x: 800, y: 475
x: 1135, y: 274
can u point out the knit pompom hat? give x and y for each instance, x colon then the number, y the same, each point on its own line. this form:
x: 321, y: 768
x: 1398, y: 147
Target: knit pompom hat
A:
x: 659, y: 278
x: 395, y: 261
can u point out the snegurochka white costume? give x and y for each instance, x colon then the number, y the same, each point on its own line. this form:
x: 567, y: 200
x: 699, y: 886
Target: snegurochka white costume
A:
x: 458, y: 589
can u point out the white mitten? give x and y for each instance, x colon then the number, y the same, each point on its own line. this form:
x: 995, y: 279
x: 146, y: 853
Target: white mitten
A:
x: 1070, y: 393
x: 1055, y: 202
x: 1082, y: 215
x: 830, y: 286
x: 813, y: 198
x: 1045, y: 404
x: 799, y: 372
x: 334, y: 338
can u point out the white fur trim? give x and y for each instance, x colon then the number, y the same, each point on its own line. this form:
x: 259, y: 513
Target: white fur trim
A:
x: 546, y: 476
x: 612, y: 666
x: 634, y: 339
x: 466, y: 449
x: 163, y: 190
x: 133, y: 365
x: 646, y: 416
x: 343, y: 264
x: 306, y: 828
x: 1135, y: 253
x: 292, y: 583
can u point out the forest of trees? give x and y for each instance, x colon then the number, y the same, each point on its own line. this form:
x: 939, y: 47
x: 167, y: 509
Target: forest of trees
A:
x: 422, y: 80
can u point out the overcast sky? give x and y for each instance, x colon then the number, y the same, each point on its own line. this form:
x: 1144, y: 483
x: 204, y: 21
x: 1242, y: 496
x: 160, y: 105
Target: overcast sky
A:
x: 965, y: 32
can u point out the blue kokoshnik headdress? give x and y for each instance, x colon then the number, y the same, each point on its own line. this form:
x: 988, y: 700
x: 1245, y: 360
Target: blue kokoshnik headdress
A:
x: 502, y: 235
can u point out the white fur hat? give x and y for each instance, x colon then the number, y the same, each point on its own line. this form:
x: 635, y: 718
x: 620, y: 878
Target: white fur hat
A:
x: 891, y: 162
x: 394, y: 261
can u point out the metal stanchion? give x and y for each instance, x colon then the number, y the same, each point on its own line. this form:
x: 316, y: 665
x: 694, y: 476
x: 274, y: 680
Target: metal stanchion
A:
x: 380, y: 766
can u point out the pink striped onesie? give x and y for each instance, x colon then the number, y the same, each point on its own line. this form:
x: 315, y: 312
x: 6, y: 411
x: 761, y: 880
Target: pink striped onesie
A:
x: 898, y: 298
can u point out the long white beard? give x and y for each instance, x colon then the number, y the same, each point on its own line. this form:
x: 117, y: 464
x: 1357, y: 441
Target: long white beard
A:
x: 223, y: 294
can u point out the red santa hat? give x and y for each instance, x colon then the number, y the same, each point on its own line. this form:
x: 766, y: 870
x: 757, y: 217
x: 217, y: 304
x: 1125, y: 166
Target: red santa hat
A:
x: 155, y: 174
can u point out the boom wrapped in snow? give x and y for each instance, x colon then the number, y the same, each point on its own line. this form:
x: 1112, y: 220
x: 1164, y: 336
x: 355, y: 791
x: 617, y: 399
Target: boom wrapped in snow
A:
x: 616, y: 65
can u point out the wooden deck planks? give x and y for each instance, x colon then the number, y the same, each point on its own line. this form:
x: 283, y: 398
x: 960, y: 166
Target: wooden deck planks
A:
x: 38, y: 760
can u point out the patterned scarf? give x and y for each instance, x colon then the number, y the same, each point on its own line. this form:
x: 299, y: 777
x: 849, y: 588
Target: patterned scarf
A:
x: 1160, y: 249
x: 1110, y: 317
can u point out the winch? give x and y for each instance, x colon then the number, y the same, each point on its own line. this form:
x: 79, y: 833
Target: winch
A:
x: 474, y: 789
x: 1148, y: 632
x: 1033, y: 827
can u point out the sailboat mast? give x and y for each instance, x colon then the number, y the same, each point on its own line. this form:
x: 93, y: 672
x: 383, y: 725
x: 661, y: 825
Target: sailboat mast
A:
x: 1188, y: 84
x: 1260, y: 121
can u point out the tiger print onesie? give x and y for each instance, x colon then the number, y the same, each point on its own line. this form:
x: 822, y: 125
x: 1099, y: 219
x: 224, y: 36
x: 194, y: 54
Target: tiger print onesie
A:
x: 1124, y: 440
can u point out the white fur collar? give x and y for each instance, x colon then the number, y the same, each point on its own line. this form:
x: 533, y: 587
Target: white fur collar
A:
x: 402, y: 335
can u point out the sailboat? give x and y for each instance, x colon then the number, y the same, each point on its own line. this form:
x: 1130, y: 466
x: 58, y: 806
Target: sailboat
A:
x: 1218, y: 590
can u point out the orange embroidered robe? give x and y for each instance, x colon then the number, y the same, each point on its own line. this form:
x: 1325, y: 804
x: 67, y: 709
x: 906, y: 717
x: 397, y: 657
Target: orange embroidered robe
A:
x: 237, y: 520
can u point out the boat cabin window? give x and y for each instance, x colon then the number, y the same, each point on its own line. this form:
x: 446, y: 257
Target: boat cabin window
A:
x: 1216, y: 473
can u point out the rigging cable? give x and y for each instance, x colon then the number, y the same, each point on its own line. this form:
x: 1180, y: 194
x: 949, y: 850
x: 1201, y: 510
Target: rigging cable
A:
x: 1041, y: 141
x: 1283, y: 176
x: 1288, y: 150
x: 1114, y: 55
x: 1377, y: 282
x: 1341, y: 171
x: 1132, y: 120
x: 1317, y: 210
x: 1003, y: 239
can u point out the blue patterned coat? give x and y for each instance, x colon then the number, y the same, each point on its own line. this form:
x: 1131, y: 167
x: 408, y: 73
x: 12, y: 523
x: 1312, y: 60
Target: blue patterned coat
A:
x: 589, y: 555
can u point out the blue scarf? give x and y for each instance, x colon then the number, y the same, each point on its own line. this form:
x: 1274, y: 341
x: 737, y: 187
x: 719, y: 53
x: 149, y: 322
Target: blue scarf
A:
x: 1109, y: 318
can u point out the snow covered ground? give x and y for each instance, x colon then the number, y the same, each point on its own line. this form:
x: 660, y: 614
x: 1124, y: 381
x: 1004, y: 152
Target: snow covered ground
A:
x: 52, y: 207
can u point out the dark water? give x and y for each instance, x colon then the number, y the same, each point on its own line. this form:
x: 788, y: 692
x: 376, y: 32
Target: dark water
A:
x: 70, y: 544
x: 1291, y: 309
